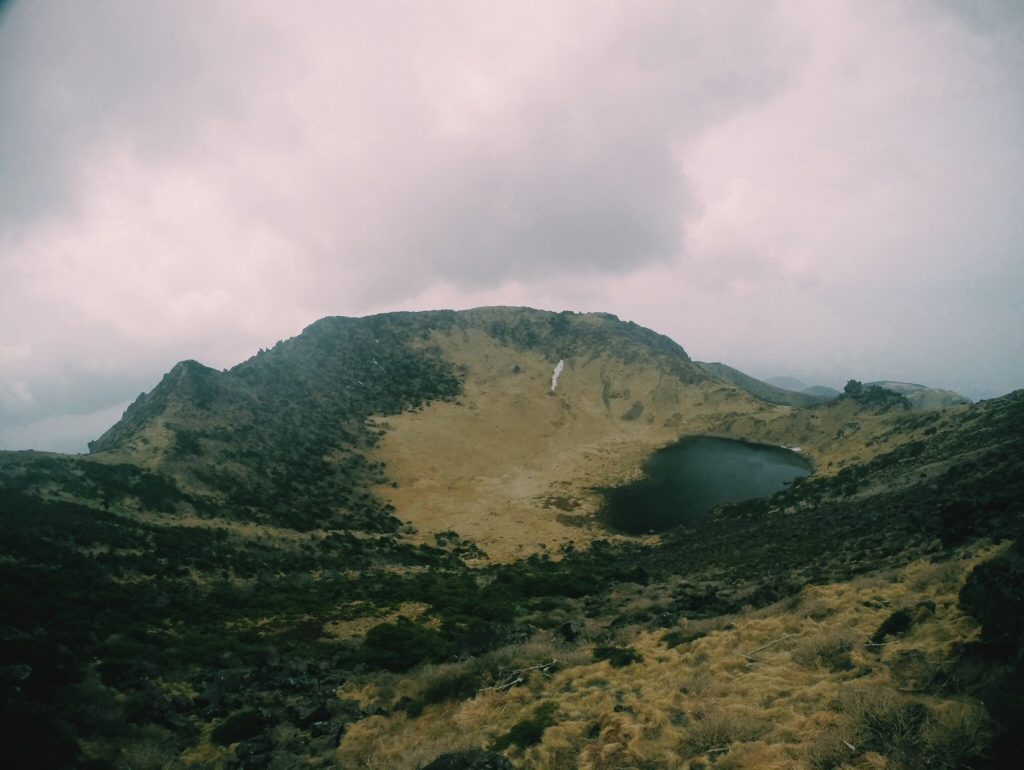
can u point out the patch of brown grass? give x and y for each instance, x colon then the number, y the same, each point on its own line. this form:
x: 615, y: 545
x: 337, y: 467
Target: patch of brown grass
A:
x: 720, y: 727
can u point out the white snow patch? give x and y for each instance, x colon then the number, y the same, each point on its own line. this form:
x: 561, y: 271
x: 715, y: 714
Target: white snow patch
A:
x: 554, y: 374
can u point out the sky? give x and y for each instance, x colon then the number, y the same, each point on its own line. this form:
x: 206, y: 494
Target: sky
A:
x: 814, y: 188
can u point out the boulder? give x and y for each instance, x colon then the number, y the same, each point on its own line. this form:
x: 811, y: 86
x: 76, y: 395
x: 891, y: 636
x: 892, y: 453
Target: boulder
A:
x: 475, y: 759
x: 571, y: 630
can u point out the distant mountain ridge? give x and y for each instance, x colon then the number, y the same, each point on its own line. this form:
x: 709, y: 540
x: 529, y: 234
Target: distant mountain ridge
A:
x: 822, y: 390
x: 922, y: 397
x: 795, y: 384
x: 788, y: 383
x: 771, y: 392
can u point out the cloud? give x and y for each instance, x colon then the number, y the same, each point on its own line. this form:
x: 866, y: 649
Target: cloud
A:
x: 771, y: 183
x: 62, y: 432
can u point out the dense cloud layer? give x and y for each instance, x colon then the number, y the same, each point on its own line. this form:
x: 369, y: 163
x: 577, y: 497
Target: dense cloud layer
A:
x: 820, y: 189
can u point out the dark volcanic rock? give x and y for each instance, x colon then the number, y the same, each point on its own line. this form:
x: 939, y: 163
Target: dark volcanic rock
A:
x: 329, y: 727
x: 903, y: 620
x: 470, y: 760
x: 571, y: 630
x: 992, y: 669
x: 994, y: 594
x: 253, y: 754
x: 310, y: 713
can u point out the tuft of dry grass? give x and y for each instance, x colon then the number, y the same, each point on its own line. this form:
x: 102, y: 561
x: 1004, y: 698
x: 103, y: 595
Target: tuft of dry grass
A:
x: 720, y: 727
x: 954, y: 732
x: 830, y: 651
x: 884, y: 720
x: 831, y: 748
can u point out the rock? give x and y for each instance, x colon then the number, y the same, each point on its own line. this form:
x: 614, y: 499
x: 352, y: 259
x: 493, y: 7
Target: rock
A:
x: 347, y: 710
x: 412, y: 707
x: 903, y: 620
x: 306, y: 715
x: 571, y: 630
x: 261, y: 744
x: 992, y: 668
x: 470, y: 760
x: 253, y: 754
x: 328, y: 727
x: 994, y: 595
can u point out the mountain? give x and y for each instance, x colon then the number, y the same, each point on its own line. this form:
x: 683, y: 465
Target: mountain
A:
x: 788, y: 383
x: 921, y: 397
x: 799, y: 386
x: 821, y: 390
x: 380, y: 544
x: 772, y: 393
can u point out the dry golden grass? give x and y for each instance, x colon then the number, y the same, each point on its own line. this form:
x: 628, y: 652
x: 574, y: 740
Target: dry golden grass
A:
x: 513, y: 467
x: 794, y: 685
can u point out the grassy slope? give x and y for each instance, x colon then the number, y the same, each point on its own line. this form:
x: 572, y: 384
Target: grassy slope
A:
x: 699, y: 693
x: 515, y: 467
x: 512, y: 465
x: 156, y: 611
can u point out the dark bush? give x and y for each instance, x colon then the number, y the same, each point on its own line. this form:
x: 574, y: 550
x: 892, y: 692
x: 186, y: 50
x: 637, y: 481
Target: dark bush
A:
x: 618, y: 656
x: 240, y: 726
x: 456, y: 685
x: 530, y: 731
x: 676, y: 638
x: 470, y: 760
x: 401, y: 645
x: 902, y: 620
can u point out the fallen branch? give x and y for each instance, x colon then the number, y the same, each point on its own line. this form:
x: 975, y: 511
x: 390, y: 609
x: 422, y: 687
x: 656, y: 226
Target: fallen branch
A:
x: 516, y: 677
x: 507, y: 685
x: 541, y: 667
x: 748, y: 655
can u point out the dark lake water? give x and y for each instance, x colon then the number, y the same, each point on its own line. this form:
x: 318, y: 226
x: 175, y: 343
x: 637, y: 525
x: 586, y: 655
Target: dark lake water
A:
x: 683, y: 482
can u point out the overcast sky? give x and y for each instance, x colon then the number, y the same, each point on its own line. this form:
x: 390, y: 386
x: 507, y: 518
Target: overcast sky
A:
x: 819, y: 189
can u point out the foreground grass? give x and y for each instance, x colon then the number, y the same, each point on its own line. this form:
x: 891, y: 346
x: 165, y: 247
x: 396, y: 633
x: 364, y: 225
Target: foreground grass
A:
x: 804, y: 683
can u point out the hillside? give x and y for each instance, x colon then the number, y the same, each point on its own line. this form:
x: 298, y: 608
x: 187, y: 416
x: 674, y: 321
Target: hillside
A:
x: 773, y: 394
x: 380, y: 542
